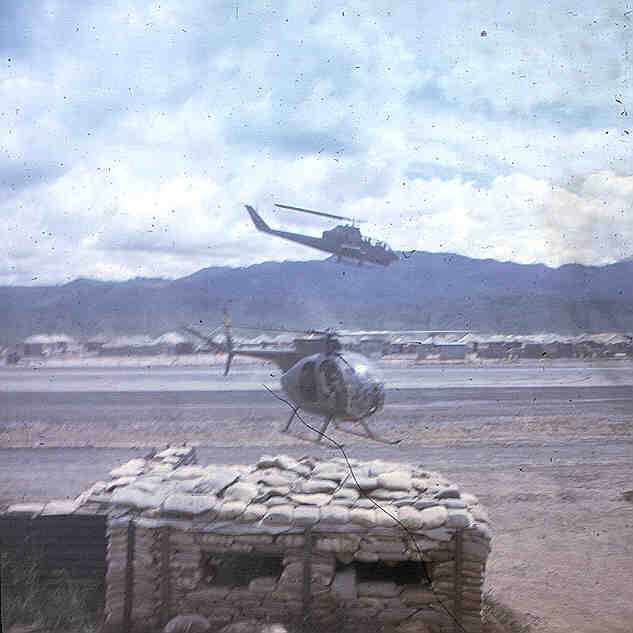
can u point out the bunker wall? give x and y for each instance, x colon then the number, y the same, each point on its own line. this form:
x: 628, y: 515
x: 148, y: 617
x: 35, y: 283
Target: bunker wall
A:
x: 353, y: 576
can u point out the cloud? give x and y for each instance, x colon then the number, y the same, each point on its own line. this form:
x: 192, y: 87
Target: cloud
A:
x: 132, y: 133
x: 535, y: 221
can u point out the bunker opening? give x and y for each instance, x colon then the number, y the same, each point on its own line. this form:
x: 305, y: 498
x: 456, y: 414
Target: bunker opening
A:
x: 407, y: 572
x: 236, y: 569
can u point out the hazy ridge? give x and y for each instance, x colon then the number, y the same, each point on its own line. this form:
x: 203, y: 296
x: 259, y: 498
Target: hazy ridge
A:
x: 422, y: 291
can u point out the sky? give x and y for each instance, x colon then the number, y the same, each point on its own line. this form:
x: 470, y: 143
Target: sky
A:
x: 133, y: 133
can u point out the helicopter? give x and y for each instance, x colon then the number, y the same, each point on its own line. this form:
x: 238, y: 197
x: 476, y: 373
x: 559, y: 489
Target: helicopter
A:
x: 342, y: 241
x: 318, y: 376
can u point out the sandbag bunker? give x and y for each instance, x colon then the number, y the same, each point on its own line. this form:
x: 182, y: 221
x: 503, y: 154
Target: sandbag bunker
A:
x: 385, y: 545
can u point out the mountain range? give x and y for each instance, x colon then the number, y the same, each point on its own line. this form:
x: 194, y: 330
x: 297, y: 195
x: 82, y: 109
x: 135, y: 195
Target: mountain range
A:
x: 421, y: 291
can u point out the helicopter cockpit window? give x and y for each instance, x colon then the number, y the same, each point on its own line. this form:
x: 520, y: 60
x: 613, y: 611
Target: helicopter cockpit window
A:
x: 307, y: 383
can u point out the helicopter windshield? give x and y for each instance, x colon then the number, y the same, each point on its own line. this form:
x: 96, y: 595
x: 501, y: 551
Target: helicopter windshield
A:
x: 361, y: 366
x: 365, y: 385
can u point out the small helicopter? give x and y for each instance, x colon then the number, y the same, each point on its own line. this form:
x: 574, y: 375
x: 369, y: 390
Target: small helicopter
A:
x: 321, y: 378
x: 342, y: 241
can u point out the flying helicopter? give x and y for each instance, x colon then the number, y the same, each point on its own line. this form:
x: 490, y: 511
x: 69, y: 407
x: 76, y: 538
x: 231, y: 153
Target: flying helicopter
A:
x: 321, y: 378
x: 343, y: 240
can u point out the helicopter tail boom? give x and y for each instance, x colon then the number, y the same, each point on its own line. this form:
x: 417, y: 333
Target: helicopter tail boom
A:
x: 260, y: 225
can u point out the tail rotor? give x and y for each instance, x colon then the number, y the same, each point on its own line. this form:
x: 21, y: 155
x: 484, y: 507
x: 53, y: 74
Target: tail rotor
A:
x: 230, y: 349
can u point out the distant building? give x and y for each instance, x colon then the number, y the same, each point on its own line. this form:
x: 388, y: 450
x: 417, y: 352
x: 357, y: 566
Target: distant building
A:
x: 48, y: 345
x: 373, y: 347
x: 498, y: 349
x: 174, y: 343
x: 452, y: 351
x: 95, y: 343
x: 139, y: 345
x: 532, y: 350
x: 12, y: 358
x: 424, y: 350
x: 558, y: 350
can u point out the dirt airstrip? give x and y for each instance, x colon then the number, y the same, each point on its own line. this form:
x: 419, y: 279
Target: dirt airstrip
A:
x: 553, y: 463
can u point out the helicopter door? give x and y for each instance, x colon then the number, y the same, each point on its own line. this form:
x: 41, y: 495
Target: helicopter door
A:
x: 333, y: 383
x: 307, y: 382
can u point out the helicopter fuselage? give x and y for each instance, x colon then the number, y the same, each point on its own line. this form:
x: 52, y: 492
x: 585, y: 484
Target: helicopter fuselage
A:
x: 342, y: 385
x: 320, y: 377
x: 342, y: 241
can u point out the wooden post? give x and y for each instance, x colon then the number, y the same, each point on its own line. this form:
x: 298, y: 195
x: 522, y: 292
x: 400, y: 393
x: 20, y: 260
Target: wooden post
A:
x: 129, y: 577
x: 164, y: 575
x: 307, y: 579
x: 457, y: 606
x: 28, y: 550
x: 4, y: 598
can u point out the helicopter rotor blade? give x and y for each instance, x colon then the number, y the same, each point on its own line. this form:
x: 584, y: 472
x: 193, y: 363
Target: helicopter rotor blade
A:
x: 325, y: 215
x: 236, y: 326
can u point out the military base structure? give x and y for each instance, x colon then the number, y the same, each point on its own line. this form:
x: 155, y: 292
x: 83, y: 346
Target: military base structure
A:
x: 292, y: 540
x: 421, y: 346
x: 310, y: 543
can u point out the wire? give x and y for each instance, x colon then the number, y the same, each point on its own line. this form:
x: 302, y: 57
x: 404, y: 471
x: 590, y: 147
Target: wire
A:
x: 341, y: 448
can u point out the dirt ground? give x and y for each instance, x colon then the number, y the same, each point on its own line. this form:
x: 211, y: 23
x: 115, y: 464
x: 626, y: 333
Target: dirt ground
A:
x: 556, y: 478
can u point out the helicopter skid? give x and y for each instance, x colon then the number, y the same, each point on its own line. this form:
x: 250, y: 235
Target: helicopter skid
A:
x: 368, y: 434
x: 304, y: 438
x: 320, y: 432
